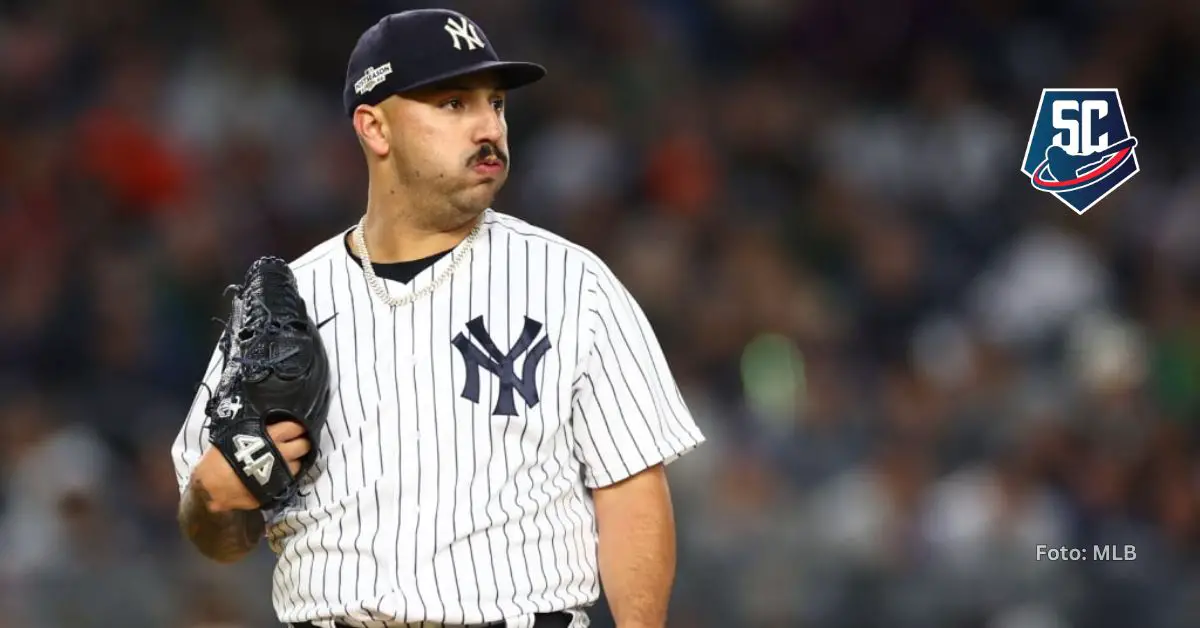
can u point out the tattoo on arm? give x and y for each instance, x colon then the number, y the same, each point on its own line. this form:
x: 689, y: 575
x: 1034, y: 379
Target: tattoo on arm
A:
x: 222, y: 536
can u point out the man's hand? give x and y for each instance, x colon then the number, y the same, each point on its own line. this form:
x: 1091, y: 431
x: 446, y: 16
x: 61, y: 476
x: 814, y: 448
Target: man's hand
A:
x: 217, y: 512
x: 222, y: 487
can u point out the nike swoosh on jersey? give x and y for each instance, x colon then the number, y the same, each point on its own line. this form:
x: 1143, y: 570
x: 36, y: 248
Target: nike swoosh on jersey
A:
x: 322, y: 323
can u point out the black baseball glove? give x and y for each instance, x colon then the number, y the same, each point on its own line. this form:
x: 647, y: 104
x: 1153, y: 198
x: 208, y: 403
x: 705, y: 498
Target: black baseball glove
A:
x: 275, y: 369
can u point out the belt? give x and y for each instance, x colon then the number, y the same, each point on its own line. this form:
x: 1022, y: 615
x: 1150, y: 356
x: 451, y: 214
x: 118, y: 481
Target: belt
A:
x: 540, y: 620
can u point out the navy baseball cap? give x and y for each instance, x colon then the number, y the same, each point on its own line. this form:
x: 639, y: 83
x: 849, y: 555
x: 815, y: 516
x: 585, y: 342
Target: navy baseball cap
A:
x: 411, y: 49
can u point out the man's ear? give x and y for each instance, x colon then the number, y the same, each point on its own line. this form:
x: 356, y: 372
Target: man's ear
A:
x: 372, y: 129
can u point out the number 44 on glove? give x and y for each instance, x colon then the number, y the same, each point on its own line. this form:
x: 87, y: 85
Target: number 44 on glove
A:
x: 275, y: 369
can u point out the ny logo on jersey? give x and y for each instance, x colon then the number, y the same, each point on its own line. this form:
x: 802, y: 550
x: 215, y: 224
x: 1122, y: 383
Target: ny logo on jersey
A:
x: 503, y: 365
x: 463, y: 31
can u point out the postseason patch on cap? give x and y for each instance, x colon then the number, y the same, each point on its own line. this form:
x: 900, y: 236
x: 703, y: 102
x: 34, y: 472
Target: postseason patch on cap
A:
x: 371, y: 78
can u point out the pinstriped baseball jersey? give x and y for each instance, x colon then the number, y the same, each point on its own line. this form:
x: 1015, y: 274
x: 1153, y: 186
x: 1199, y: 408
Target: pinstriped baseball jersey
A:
x: 466, y: 429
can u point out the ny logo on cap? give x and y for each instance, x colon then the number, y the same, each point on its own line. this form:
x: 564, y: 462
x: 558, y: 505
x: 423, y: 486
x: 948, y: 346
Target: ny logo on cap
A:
x: 463, y: 31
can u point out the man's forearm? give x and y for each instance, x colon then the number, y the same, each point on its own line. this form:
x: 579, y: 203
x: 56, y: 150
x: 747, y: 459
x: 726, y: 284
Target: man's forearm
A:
x: 637, y: 548
x: 225, y: 537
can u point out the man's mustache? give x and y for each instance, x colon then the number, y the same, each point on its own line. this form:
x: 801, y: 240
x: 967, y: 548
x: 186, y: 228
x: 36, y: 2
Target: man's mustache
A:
x: 488, y: 150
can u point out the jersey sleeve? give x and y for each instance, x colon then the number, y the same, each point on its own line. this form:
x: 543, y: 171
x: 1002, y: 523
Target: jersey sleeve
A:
x: 627, y: 412
x: 192, y: 439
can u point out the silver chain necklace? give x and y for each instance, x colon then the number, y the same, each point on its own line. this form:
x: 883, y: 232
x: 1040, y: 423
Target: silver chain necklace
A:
x: 377, y: 286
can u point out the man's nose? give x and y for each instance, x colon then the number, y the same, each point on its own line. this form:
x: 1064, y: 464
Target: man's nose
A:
x: 489, y: 127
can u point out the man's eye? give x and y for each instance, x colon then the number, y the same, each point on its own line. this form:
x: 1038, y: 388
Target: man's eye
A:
x: 453, y: 103
x: 498, y: 104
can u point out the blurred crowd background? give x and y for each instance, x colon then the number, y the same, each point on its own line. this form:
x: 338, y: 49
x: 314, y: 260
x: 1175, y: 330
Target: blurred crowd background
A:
x: 912, y: 367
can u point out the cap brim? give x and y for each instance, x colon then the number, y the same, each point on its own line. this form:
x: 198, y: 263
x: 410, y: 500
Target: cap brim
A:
x: 512, y: 74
